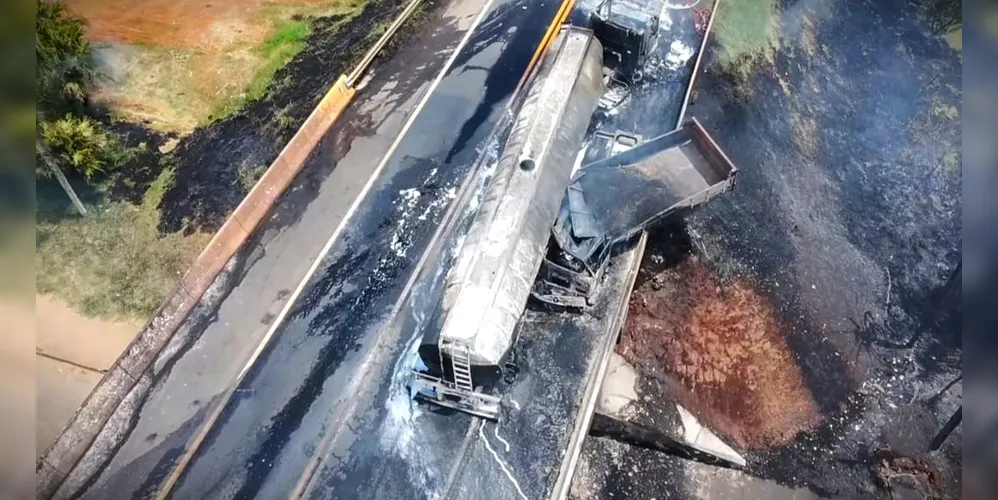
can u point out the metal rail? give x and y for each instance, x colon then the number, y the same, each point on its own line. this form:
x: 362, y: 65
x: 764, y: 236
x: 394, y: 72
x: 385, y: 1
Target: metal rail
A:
x: 368, y: 58
x: 588, y: 404
x: 696, y: 65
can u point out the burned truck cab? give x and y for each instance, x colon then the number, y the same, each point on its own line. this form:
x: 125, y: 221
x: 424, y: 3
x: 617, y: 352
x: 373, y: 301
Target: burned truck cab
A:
x: 627, y: 29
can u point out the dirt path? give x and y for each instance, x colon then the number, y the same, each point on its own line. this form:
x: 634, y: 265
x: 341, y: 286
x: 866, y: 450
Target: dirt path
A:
x: 17, y: 390
x: 65, y: 333
x: 61, y: 386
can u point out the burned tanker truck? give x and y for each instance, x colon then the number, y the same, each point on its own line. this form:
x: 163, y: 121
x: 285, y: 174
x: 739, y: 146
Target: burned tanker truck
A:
x: 547, y: 226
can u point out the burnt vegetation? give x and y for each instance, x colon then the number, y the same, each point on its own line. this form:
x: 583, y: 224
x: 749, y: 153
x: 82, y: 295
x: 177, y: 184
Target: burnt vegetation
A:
x: 212, y: 161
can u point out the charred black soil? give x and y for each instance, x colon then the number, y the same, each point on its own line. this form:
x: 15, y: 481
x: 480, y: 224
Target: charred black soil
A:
x: 836, y: 258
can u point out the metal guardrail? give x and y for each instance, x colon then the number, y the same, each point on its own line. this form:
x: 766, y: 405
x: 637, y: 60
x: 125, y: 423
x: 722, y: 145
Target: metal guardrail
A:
x: 365, y: 62
x: 696, y: 65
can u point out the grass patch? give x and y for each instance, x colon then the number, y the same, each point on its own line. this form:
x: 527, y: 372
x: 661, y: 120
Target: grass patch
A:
x: 788, y: 90
x: 276, y: 51
x: 809, y: 37
x: 157, y: 190
x: 747, y: 32
x: 805, y: 135
x: 291, y: 29
x: 114, y: 263
x: 249, y: 175
x: 172, y: 89
x: 281, y: 122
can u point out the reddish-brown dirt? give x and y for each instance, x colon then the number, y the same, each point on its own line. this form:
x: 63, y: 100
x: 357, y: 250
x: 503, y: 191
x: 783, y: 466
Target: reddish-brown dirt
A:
x: 918, y: 472
x: 721, y: 352
x: 176, y: 23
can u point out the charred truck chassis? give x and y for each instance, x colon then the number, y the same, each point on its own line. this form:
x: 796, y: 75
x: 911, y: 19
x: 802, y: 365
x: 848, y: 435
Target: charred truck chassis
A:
x: 545, y: 231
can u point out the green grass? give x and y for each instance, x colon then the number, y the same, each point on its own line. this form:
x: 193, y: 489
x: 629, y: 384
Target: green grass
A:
x: 281, y: 122
x: 292, y: 28
x: 747, y: 32
x: 114, y: 263
x: 277, y: 51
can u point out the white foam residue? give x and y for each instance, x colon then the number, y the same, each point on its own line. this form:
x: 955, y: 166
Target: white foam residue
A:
x: 449, y: 194
x: 398, y: 243
x: 409, y: 197
x: 399, y: 429
x: 664, y: 19
x: 678, y: 54
x: 613, y: 97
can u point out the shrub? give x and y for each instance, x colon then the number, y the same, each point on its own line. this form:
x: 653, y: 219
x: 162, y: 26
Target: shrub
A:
x: 81, y: 145
x: 248, y: 175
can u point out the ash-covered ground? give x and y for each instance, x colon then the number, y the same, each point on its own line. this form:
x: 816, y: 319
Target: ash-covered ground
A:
x: 812, y: 316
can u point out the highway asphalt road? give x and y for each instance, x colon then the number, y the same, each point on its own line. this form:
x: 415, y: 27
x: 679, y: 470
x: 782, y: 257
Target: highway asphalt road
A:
x: 140, y: 445
x: 278, y: 414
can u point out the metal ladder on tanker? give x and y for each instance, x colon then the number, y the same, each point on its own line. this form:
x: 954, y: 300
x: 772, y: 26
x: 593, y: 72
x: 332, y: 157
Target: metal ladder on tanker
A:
x: 461, y: 368
x: 460, y: 392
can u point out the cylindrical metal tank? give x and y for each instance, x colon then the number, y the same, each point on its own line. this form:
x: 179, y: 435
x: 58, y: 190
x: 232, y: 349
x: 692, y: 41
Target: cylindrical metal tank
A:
x: 490, y: 281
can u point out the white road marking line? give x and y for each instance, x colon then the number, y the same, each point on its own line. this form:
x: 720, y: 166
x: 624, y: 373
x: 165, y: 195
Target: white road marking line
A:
x: 502, y: 465
x: 504, y: 442
x: 292, y: 299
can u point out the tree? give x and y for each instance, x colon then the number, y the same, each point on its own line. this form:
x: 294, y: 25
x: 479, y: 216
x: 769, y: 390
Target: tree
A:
x: 65, y: 68
x: 64, y: 73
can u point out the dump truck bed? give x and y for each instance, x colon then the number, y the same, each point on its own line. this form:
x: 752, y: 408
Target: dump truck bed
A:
x: 628, y: 192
